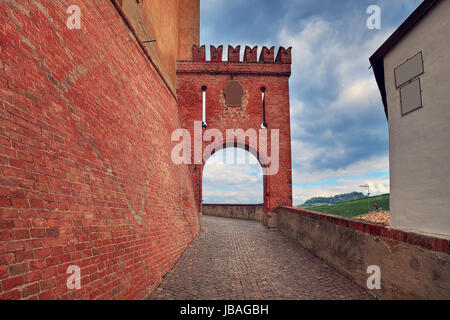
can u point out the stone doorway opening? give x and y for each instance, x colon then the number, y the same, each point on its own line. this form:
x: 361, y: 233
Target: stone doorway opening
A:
x: 233, y: 185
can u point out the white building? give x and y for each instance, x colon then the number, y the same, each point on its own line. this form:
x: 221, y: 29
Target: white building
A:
x: 412, y: 69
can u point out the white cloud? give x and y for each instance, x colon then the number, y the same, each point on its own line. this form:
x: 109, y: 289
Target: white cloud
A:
x: 321, y: 53
x: 232, y: 176
x: 222, y: 174
x: 356, y: 169
x: 361, y: 93
x: 296, y: 110
x: 241, y: 196
x: 307, y: 50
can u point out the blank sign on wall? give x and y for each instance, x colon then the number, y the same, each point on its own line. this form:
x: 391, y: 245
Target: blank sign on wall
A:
x: 411, y: 96
x: 409, y: 70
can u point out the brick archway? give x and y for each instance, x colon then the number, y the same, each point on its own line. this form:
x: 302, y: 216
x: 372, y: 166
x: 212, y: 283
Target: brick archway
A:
x: 252, y: 151
x: 251, y: 74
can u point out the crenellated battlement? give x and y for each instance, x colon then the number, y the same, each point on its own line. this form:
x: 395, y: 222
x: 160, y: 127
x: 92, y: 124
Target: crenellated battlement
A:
x: 234, y: 53
x: 216, y: 53
x: 284, y: 55
x: 250, y: 54
x: 198, y: 54
x: 267, y: 55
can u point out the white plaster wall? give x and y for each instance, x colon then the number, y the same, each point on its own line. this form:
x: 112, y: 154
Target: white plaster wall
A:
x: 420, y: 141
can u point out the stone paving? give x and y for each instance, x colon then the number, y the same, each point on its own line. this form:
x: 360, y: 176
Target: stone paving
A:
x: 237, y: 259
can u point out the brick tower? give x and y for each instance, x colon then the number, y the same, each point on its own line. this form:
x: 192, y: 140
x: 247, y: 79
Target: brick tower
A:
x: 252, y: 94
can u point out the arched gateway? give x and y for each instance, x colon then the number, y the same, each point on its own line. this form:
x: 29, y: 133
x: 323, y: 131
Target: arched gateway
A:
x: 241, y: 104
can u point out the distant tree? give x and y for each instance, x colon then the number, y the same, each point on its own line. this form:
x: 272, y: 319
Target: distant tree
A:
x: 334, y: 199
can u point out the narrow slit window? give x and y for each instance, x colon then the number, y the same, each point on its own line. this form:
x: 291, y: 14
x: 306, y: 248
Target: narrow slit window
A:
x: 263, y: 97
x: 204, y: 124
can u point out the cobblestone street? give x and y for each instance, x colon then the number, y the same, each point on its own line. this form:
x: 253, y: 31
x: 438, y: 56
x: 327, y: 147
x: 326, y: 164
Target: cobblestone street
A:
x: 237, y: 259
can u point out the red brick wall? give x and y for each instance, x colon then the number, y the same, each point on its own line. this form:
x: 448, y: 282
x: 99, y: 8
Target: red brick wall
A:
x: 252, y: 75
x: 85, y: 172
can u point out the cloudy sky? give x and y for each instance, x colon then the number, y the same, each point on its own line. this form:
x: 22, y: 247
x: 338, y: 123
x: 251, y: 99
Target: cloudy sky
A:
x: 338, y: 126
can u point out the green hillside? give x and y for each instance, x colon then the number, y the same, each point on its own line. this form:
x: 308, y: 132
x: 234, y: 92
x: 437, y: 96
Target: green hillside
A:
x: 355, y: 207
x: 317, y: 201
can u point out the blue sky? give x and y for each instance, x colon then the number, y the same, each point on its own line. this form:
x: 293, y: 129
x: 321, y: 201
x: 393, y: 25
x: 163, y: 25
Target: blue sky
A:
x: 339, y: 130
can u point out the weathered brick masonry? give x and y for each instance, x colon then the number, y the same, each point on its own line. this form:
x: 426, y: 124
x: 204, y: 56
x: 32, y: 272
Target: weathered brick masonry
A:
x: 85, y: 171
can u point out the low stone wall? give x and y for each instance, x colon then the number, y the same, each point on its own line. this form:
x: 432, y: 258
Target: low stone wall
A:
x: 237, y: 211
x: 412, y: 266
